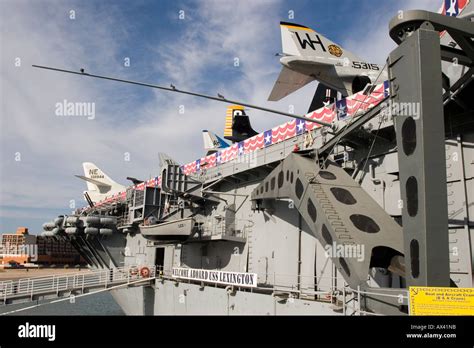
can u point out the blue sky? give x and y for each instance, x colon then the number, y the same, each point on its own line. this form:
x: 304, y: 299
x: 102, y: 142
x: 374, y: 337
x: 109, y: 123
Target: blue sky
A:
x: 195, y: 53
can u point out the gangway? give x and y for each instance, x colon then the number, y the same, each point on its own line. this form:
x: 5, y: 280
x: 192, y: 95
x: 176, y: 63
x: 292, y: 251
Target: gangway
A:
x: 39, y: 288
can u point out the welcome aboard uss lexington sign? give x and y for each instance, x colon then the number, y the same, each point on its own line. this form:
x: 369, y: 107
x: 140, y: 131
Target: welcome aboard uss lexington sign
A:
x: 220, y: 277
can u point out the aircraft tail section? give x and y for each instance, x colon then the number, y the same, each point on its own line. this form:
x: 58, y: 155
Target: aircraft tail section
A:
x: 212, y: 142
x: 237, y: 124
x: 309, y: 55
x: 99, y: 184
x: 298, y: 40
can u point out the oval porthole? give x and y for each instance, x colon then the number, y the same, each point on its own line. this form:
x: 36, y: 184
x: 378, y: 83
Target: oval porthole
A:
x: 412, y: 196
x: 364, y: 223
x: 327, y: 175
x: 312, y: 210
x: 281, y: 177
x: 409, y: 136
x: 326, y: 235
x: 415, y: 258
x: 343, y: 195
x: 299, y: 188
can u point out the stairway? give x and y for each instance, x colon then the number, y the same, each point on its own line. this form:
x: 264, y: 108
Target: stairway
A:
x: 341, y: 215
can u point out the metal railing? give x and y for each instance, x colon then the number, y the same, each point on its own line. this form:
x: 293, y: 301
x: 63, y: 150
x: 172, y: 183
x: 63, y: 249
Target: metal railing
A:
x: 332, y: 289
x: 328, y: 289
x: 77, y: 281
x: 220, y: 229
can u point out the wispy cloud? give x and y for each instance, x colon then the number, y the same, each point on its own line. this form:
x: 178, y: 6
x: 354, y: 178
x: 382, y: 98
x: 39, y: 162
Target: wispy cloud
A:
x: 196, y: 53
x: 51, y: 148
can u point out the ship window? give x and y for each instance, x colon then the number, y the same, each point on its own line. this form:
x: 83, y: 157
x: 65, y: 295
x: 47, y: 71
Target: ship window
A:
x: 266, y: 186
x: 287, y: 175
x: 327, y: 175
x: 364, y: 223
x: 291, y: 177
x: 412, y: 196
x: 272, y: 183
x: 415, y: 258
x: 299, y: 188
x: 343, y: 195
x: 326, y: 235
x: 344, y: 266
x: 281, y: 177
x: 312, y: 210
x: 409, y: 136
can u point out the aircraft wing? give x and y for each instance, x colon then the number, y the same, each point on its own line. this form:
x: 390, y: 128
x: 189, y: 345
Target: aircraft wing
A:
x: 288, y: 82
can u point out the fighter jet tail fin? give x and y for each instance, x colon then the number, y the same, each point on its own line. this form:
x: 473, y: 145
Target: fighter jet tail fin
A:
x: 237, y: 124
x: 308, y: 56
x: 212, y: 142
x: 298, y: 40
x: 99, y: 184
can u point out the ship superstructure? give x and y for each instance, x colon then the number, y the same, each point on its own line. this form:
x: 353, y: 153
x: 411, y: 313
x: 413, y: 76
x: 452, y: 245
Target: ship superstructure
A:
x: 339, y: 216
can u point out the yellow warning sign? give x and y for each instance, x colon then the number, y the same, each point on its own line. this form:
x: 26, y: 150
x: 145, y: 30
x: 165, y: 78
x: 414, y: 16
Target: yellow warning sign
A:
x: 441, y: 301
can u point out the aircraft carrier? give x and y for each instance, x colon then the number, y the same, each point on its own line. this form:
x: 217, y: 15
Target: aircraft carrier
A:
x: 337, y: 212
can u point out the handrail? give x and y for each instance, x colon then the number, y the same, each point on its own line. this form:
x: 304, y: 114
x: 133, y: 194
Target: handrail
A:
x: 29, y: 287
x: 348, y: 298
